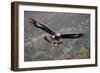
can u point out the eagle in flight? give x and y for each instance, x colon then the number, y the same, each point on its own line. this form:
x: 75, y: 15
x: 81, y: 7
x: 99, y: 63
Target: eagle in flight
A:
x: 54, y: 38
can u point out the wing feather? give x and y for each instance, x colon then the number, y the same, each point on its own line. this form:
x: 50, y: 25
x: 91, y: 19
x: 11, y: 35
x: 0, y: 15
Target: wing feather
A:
x: 70, y: 35
x: 42, y: 26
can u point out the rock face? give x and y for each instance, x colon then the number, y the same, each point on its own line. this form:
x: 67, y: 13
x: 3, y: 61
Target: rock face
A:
x: 37, y: 49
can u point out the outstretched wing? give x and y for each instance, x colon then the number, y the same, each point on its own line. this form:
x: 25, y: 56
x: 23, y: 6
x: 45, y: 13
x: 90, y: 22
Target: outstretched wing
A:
x: 70, y: 35
x: 42, y: 26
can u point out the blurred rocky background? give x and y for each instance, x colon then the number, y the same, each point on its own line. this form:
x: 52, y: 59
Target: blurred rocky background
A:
x: 37, y: 49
